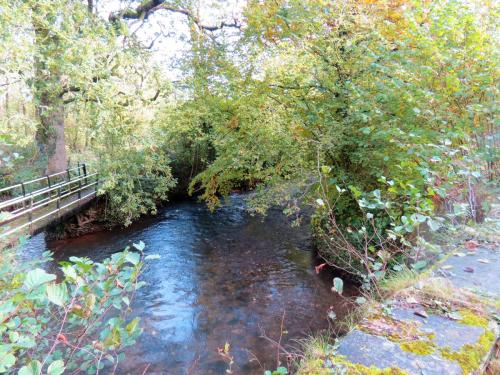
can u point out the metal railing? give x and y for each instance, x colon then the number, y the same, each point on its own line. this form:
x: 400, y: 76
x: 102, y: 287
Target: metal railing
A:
x: 76, y: 186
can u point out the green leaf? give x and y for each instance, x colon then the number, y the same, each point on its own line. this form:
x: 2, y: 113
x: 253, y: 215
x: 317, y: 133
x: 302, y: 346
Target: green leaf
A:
x: 56, y: 368
x: 132, y: 326
x: 434, y: 225
x: 7, y: 360
x: 69, y: 272
x: 397, y: 267
x: 360, y: 300
x: 133, y: 258
x: 57, y: 293
x: 421, y: 264
x: 338, y: 285
x: 37, y: 277
x: 140, y: 246
x: 34, y: 368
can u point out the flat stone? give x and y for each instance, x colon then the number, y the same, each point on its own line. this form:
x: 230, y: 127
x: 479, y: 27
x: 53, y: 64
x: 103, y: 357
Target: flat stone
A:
x: 447, y: 332
x: 362, y: 348
x: 484, y: 277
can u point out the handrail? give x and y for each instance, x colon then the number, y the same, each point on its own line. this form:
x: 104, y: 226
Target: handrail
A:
x: 29, y: 196
x: 67, y: 194
x: 29, y: 223
x: 36, y: 207
x: 82, y: 166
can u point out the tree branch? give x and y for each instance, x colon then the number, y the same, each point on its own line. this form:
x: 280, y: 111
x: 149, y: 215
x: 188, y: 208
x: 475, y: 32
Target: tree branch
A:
x: 148, y: 7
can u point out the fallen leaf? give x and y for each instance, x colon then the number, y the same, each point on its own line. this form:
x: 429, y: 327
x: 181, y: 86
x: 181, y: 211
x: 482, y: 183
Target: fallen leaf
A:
x: 471, y: 245
x: 332, y: 315
x: 61, y: 337
x: 411, y: 300
x: 320, y: 267
x: 469, y: 269
x: 421, y: 313
x: 454, y: 315
x: 484, y: 261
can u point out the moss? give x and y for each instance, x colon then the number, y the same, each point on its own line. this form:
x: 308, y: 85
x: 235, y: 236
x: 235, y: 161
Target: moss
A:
x: 470, y: 356
x: 313, y: 366
x: 471, y: 319
x: 358, y: 369
x: 404, y: 333
x: 420, y: 347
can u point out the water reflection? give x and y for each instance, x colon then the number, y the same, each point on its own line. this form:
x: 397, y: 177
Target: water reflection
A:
x: 222, y: 277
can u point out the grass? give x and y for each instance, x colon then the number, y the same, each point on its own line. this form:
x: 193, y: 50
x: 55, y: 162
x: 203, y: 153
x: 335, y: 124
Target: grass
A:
x: 398, y: 281
x: 315, y: 351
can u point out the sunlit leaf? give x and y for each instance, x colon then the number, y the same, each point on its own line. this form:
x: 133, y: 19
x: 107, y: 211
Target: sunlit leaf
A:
x: 37, y: 277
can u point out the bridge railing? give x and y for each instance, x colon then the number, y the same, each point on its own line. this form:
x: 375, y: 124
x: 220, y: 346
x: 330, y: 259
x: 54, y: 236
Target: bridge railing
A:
x: 39, y: 204
x: 28, y: 187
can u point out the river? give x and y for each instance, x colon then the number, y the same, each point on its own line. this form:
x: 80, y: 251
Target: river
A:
x: 223, y: 277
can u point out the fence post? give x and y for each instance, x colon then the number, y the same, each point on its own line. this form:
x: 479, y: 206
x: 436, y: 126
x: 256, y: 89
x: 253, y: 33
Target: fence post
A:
x: 58, y: 202
x: 84, y: 167
x: 30, y: 213
x: 79, y: 188
x: 96, y: 182
x: 24, y: 194
x: 69, y: 179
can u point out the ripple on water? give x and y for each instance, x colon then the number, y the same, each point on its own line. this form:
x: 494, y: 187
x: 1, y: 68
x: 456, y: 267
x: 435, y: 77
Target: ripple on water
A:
x: 223, y: 276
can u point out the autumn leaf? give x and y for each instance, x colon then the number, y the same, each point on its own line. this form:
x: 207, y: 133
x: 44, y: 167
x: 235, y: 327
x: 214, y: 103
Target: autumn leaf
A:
x: 320, y: 267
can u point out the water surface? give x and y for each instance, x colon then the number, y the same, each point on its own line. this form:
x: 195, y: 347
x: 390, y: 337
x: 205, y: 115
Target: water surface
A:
x: 222, y: 277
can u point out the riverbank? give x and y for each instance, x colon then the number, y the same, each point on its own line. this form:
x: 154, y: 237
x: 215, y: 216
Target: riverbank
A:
x: 441, y: 321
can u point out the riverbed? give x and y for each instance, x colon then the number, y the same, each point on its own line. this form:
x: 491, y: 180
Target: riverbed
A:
x: 223, y: 276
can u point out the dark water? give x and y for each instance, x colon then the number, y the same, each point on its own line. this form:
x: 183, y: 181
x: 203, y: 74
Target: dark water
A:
x: 222, y: 277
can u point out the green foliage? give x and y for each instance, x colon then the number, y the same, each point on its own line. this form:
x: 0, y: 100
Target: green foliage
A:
x: 109, y: 88
x: 76, y: 320
x: 375, y: 113
x: 372, y: 113
x: 278, y: 371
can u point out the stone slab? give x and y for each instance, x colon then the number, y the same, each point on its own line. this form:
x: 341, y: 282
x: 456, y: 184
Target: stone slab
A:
x: 447, y: 332
x: 362, y: 348
x: 471, y: 272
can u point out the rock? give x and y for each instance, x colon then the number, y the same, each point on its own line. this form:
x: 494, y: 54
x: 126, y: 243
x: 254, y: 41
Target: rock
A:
x: 362, y: 348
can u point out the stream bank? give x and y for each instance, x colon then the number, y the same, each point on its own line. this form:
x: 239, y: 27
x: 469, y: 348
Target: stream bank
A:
x: 442, y: 321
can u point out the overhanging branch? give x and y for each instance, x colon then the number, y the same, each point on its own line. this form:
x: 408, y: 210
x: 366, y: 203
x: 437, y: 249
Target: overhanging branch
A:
x: 147, y: 8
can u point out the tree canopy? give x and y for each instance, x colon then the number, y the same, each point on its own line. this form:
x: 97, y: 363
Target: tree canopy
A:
x: 374, y: 112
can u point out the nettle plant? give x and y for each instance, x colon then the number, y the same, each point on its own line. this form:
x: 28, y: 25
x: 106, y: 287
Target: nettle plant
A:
x: 70, y: 322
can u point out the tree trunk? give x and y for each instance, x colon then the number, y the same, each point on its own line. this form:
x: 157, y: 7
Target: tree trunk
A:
x: 50, y: 135
x: 48, y: 85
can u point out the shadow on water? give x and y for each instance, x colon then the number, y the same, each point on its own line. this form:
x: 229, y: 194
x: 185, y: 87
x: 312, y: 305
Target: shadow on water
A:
x: 222, y: 277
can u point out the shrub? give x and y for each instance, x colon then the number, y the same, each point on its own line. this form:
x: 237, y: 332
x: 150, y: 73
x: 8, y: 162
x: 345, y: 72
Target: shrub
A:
x: 74, y: 319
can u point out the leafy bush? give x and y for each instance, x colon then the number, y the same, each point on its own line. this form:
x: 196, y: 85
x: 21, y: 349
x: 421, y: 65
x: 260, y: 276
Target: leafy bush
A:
x: 135, y: 183
x: 372, y: 112
x: 74, y: 319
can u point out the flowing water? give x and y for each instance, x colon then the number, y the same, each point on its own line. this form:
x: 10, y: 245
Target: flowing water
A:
x: 222, y: 277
